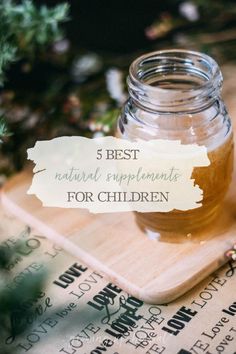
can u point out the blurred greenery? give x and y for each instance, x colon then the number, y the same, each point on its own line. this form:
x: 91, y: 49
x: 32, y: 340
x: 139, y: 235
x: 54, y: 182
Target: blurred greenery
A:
x: 24, y: 31
x: 15, y: 310
x: 75, y: 84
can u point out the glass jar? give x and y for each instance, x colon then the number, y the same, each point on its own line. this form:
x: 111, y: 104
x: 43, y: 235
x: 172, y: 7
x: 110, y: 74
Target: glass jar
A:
x: 176, y: 95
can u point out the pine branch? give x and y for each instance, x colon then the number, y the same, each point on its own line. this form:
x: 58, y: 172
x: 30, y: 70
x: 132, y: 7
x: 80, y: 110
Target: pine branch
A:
x: 3, y: 129
x: 31, y: 28
x: 25, y: 30
x: 8, y: 55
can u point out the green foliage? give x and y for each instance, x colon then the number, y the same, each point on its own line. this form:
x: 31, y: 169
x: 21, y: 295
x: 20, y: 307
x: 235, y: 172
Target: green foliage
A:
x: 8, y: 55
x: 26, y: 29
x: 3, y: 129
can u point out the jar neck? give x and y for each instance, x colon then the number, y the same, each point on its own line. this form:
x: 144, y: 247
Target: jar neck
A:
x: 174, y: 81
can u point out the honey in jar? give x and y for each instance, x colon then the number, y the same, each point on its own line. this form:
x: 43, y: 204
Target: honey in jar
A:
x: 176, y: 95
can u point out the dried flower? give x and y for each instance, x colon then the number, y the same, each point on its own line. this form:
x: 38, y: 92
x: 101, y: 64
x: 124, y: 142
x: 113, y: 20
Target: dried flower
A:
x: 98, y: 135
x: 85, y: 66
x: 62, y: 46
x: 189, y: 10
x: 115, y: 86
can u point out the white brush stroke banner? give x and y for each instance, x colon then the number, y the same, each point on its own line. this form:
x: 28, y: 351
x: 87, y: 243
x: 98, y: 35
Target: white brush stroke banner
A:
x: 145, y: 176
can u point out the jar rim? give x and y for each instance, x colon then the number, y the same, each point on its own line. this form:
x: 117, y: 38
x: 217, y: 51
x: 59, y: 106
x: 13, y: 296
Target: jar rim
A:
x: 189, y: 65
x: 133, y: 69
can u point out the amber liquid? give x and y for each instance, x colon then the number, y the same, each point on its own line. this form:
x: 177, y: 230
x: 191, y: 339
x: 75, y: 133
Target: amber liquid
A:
x: 214, y: 180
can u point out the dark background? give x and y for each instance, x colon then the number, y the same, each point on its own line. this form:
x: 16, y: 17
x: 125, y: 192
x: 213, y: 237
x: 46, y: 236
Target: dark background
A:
x: 113, y: 26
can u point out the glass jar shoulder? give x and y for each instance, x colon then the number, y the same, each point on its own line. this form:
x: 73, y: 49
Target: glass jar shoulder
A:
x: 210, y: 127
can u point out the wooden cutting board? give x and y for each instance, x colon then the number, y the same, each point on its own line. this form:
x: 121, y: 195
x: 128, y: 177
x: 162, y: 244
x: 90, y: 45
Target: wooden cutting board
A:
x: 150, y: 269
x: 154, y: 271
